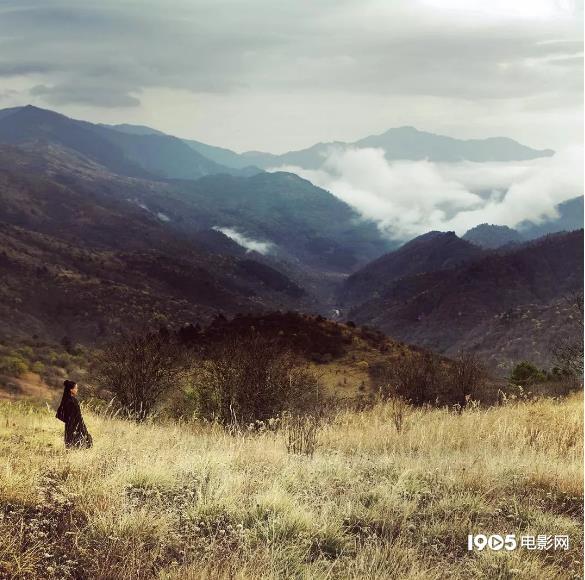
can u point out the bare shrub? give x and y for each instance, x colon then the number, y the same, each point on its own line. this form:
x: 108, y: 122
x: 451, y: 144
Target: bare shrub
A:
x: 399, y: 411
x: 466, y: 377
x: 138, y: 371
x: 428, y: 378
x: 241, y: 380
x: 419, y: 378
x: 301, y: 433
x: 568, y: 352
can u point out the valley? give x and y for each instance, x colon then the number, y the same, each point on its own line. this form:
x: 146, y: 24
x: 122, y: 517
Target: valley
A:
x: 125, y: 228
x: 291, y: 290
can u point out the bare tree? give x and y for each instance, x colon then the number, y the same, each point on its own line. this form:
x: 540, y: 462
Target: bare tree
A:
x: 139, y: 370
x: 466, y: 375
x: 243, y: 379
x: 418, y: 378
x: 568, y: 352
x: 425, y: 377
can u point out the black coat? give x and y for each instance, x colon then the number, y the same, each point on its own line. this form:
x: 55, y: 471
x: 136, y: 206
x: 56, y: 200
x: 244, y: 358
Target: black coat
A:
x: 76, y: 433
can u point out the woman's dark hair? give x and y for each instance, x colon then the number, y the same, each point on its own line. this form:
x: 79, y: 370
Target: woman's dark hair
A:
x: 68, y: 386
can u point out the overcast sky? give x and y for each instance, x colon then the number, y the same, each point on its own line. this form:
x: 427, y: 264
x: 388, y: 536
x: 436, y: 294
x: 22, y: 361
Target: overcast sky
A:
x: 280, y: 75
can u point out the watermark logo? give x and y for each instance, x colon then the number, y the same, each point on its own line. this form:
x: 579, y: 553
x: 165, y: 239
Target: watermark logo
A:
x: 510, y: 542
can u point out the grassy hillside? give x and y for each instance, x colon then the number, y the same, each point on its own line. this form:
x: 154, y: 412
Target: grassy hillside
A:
x: 186, y: 501
x: 340, y: 354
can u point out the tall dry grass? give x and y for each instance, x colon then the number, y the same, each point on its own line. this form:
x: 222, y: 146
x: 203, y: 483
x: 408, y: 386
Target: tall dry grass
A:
x: 190, y: 501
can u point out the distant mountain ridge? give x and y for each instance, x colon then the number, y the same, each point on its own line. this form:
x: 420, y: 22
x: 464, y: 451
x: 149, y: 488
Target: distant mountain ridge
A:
x: 143, y: 152
x: 220, y: 155
x: 492, y: 236
x: 402, y: 143
x: 427, y: 253
x: 147, y: 154
x: 570, y: 218
x: 407, y: 143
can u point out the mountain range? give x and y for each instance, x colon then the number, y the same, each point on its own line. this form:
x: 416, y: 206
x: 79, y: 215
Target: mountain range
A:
x: 143, y: 152
x: 124, y: 226
x: 148, y: 155
x: 405, y: 143
x: 294, y: 219
x: 78, y: 259
x: 570, y: 218
x: 446, y: 294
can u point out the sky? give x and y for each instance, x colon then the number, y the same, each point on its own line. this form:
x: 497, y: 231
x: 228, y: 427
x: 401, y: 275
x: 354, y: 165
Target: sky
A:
x: 281, y: 75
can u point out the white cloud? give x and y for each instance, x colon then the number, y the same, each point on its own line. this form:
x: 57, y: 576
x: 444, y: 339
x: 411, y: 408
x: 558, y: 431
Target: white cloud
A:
x: 284, y: 75
x: 407, y: 198
x: 250, y: 244
x: 527, y: 10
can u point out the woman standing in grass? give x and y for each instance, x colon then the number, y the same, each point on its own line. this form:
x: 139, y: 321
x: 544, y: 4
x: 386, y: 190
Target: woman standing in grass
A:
x: 76, y: 433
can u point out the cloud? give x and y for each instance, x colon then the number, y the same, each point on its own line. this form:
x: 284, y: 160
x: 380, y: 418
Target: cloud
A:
x: 284, y: 74
x: 405, y: 47
x: 250, y: 244
x: 89, y: 94
x: 408, y: 198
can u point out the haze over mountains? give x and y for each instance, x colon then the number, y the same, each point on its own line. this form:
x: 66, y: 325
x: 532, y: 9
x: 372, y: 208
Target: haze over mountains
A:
x: 139, y: 151
x: 397, y: 143
x: 125, y: 225
x: 134, y: 155
x: 404, y: 145
x: 570, y: 217
x: 400, y: 143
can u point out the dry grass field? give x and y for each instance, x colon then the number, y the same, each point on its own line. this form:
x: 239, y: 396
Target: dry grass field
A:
x: 189, y: 500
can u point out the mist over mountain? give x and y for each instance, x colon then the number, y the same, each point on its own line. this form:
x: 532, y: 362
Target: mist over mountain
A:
x: 410, y: 181
x: 569, y: 218
x: 409, y: 198
x: 123, y: 224
x: 407, y: 143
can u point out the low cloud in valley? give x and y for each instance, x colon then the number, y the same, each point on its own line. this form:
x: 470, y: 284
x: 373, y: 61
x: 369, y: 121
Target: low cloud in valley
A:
x: 408, y: 198
x: 250, y: 244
